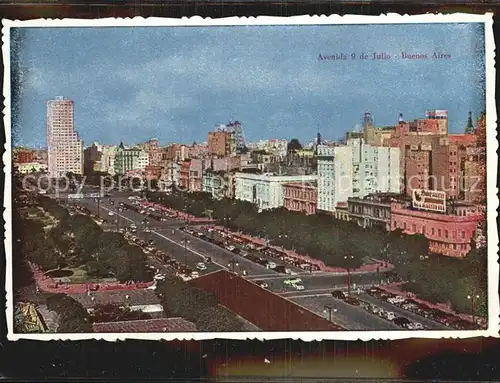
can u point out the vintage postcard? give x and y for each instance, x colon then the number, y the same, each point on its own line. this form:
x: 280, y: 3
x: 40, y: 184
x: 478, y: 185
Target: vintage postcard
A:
x: 306, y: 177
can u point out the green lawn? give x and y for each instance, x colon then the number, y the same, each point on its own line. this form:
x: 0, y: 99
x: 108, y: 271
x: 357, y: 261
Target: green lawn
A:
x: 80, y: 276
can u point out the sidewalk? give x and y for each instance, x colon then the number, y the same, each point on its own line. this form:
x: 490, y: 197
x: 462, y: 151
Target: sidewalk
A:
x: 47, y: 284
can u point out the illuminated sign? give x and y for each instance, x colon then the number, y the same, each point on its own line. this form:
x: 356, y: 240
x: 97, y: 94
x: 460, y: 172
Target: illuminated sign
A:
x: 432, y: 200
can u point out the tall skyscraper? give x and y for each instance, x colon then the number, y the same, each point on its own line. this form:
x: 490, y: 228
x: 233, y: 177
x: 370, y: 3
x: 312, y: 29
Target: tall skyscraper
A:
x: 64, y: 146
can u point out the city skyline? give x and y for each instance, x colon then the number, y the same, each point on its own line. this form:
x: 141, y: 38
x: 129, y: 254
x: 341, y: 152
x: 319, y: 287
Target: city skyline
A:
x: 178, y: 91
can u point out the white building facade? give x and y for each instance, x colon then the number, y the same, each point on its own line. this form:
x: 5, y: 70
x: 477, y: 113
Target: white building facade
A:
x: 355, y: 170
x: 64, y: 146
x: 142, y: 160
x: 108, y: 159
x: 334, y: 176
x: 265, y: 190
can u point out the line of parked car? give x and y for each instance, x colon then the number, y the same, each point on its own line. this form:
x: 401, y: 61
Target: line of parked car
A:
x: 83, y: 210
x: 280, y: 256
x: 422, y: 309
x: 173, y: 265
x: 373, y: 309
x: 225, y: 241
x: 151, y: 212
x: 246, y: 249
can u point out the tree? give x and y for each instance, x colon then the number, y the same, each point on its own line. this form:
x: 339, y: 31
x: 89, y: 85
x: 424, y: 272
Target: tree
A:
x: 111, y: 239
x: 130, y: 265
x: 86, y: 238
x: 416, y: 245
x: 349, y: 256
x: 476, y: 265
x: 218, y: 319
x: 181, y: 299
x: 73, y: 316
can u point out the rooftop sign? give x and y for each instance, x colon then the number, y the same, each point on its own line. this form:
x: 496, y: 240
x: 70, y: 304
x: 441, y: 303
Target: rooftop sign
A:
x: 432, y: 200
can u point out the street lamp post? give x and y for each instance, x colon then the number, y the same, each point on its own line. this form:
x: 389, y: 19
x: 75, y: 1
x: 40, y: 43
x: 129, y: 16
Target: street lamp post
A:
x: 328, y: 308
x: 347, y: 258
x: 472, y: 298
x: 117, y: 212
x: 145, y: 223
x: 186, y: 241
x: 98, y: 201
x: 232, y: 264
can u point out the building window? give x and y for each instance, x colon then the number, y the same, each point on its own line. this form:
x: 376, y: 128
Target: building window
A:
x: 463, y: 234
x: 446, y: 233
x: 439, y: 232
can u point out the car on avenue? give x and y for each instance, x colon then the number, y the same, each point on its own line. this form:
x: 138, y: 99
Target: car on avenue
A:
x: 262, y: 284
x: 402, y: 322
x: 415, y: 326
x: 159, y: 277
x: 352, y: 301
x: 338, y: 294
x: 298, y: 286
x: 201, y: 266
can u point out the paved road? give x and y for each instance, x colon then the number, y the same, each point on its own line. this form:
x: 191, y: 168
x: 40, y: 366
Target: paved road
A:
x: 348, y: 316
x: 172, y: 243
x: 398, y: 311
x: 318, y: 285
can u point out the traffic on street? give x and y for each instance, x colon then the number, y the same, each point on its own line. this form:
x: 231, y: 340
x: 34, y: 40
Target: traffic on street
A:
x: 188, y: 251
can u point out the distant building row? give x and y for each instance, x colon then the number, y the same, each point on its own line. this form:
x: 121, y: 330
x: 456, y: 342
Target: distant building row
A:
x: 418, y: 154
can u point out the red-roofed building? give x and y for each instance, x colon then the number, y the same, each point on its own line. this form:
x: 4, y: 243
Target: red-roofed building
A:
x: 146, y: 325
x: 261, y: 307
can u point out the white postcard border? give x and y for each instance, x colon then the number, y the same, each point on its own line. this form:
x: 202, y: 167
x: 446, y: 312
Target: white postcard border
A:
x: 391, y: 18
